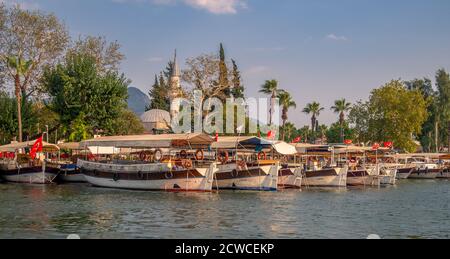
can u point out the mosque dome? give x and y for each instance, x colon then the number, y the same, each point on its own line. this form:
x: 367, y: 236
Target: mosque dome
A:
x: 156, y: 120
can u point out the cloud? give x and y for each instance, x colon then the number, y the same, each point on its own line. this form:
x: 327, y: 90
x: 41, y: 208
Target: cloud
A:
x: 218, y: 6
x: 336, y: 38
x: 212, y: 6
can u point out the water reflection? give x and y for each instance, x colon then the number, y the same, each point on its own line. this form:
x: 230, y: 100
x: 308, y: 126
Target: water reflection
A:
x: 28, y: 211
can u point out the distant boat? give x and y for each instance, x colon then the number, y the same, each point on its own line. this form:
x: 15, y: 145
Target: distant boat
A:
x: 23, y: 169
x: 69, y: 171
x: 245, y: 168
x: 327, y: 177
x: 405, y: 172
x: 362, y: 177
x: 159, y: 163
x: 425, y: 171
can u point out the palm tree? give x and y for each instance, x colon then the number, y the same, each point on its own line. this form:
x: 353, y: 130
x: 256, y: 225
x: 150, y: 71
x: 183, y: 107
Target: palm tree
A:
x: 286, y: 103
x: 341, y: 107
x: 270, y: 87
x: 21, y: 68
x: 289, y: 129
x: 314, y: 109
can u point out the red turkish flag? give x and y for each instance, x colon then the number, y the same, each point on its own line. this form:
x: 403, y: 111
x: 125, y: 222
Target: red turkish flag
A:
x: 217, y: 137
x: 297, y: 140
x: 37, y: 147
x: 376, y: 146
x: 348, y: 142
x: 388, y: 144
x: 271, y: 135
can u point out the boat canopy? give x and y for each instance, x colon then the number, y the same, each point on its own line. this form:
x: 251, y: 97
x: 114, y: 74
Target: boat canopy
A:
x: 420, y: 155
x: 70, y: 146
x: 194, y: 140
x: 13, y: 147
x: 285, y: 149
x: 357, y: 149
x: 303, y: 148
x: 240, y: 142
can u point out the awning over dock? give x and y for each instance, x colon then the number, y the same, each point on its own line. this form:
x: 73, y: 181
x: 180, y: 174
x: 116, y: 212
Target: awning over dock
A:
x: 194, y: 140
x: 13, y: 147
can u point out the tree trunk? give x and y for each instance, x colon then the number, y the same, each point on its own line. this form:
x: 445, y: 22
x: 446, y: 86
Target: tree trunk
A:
x: 19, y: 105
x: 448, y: 137
x: 272, y: 105
x: 341, y: 121
x: 436, y: 135
x: 283, y: 137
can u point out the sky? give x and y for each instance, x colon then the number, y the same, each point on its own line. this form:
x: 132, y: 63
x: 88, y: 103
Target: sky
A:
x: 319, y: 50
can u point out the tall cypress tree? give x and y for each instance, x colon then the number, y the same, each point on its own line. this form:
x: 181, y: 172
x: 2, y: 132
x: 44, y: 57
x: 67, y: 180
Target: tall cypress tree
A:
x: 158, y: 95
x: 223, y: 72
x: 238, y: 88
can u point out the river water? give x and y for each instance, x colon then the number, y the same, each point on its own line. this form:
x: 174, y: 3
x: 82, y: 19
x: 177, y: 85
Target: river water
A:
x: 412, y: 209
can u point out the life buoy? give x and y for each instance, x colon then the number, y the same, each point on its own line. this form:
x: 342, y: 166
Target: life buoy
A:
x: 158, y: 155
x: 183, y: 154
x: 187, y: 163
x: 116, y: 177
x: 234, y: 173
x: 199, y: 155
x: 223, y: 156
x: 262, y: 155
x: 168, y: 175
x: 143, y: 156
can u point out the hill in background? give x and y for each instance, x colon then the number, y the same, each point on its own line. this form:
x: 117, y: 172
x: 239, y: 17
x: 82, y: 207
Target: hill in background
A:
x: 137, y: 100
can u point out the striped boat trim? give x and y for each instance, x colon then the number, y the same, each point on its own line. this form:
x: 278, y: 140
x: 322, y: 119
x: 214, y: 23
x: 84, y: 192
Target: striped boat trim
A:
x: 30, y: 170
x: 143, y: 176
x: 320, y: 173
x: 235, y: 174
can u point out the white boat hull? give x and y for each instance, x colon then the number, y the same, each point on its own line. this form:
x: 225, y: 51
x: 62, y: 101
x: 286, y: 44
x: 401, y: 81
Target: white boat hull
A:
x: 444, y: 175
x: 336, y: 178
x: 263, y: 178
x: 31, y: 178
x: 425, y: 174
x: 148, y: 177
x: 291, y: 181
x: 369, y: 180
x: 72, y: 178
x: 174, y: 185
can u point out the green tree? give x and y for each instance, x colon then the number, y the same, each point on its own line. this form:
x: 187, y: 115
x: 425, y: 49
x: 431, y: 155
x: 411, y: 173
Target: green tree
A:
x: 290, y: 131
x: 223, y: 72
x: 393, y: 113
x: 8, y: 118
x: 428, y: 135
x: 238, y: 88
x: 81, y: 95
x: 107, y: 55
x: 442, y: 125
x: 286, y: 102
x: 127, y: 123
x: 305, y: 133
x: 334, y: 132
x: 158, y: 95
x: 29, y: 41
x: 21, y: 69
x: 341, y: 107
x: 360, y: 119
x: 314, y: 109
x: 270, y: 87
